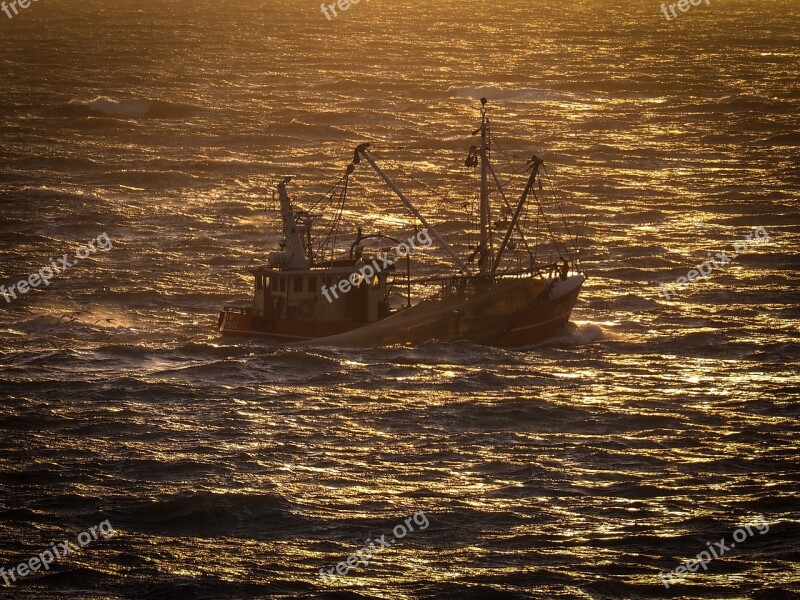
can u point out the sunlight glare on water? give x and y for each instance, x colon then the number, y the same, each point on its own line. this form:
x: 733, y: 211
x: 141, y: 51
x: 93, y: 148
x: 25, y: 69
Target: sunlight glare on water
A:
x: 579, y: 468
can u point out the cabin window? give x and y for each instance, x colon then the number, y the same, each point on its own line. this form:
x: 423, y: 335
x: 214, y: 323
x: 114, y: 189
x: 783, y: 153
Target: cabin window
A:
x: 312, y: 284
x: 283, y: 283
x: 266, y: 283
x: 259, y: 283
x: 298, y: 284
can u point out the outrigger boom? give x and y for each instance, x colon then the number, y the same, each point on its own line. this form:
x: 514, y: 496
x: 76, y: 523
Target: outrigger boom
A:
x: 362, y: 152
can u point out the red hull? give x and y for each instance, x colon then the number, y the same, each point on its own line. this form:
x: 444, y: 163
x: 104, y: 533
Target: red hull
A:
x: 545, y: 319
x: 280, y: 330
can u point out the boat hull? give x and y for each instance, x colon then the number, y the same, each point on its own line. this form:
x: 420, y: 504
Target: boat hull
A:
x: 242, y: 324
x: 545, y: 320
x: 512, y: 315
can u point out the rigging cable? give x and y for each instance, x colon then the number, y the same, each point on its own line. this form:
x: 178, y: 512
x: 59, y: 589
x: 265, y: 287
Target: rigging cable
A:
x: 563, y: 218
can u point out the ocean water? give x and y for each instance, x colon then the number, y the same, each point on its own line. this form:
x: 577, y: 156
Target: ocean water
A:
x: 580, y: 468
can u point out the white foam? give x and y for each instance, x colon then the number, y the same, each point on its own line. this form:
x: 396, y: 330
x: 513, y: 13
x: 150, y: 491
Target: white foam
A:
x: 121, y: 108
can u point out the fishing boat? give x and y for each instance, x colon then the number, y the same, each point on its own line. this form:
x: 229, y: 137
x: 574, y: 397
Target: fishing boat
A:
x: 510, y: 288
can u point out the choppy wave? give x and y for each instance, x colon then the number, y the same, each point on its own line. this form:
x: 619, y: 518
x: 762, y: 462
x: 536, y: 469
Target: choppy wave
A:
x: 499, y: 94
x: 127, y: 109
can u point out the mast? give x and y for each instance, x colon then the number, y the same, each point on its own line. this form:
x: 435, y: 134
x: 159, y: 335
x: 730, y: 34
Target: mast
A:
x: 486, y: 232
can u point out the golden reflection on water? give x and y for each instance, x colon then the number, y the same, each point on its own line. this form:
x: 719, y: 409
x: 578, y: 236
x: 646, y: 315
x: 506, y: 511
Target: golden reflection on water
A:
x: 575, y: 469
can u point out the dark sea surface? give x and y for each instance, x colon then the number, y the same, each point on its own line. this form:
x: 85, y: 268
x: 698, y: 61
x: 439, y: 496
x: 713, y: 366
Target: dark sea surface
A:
x: 581, y: 468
